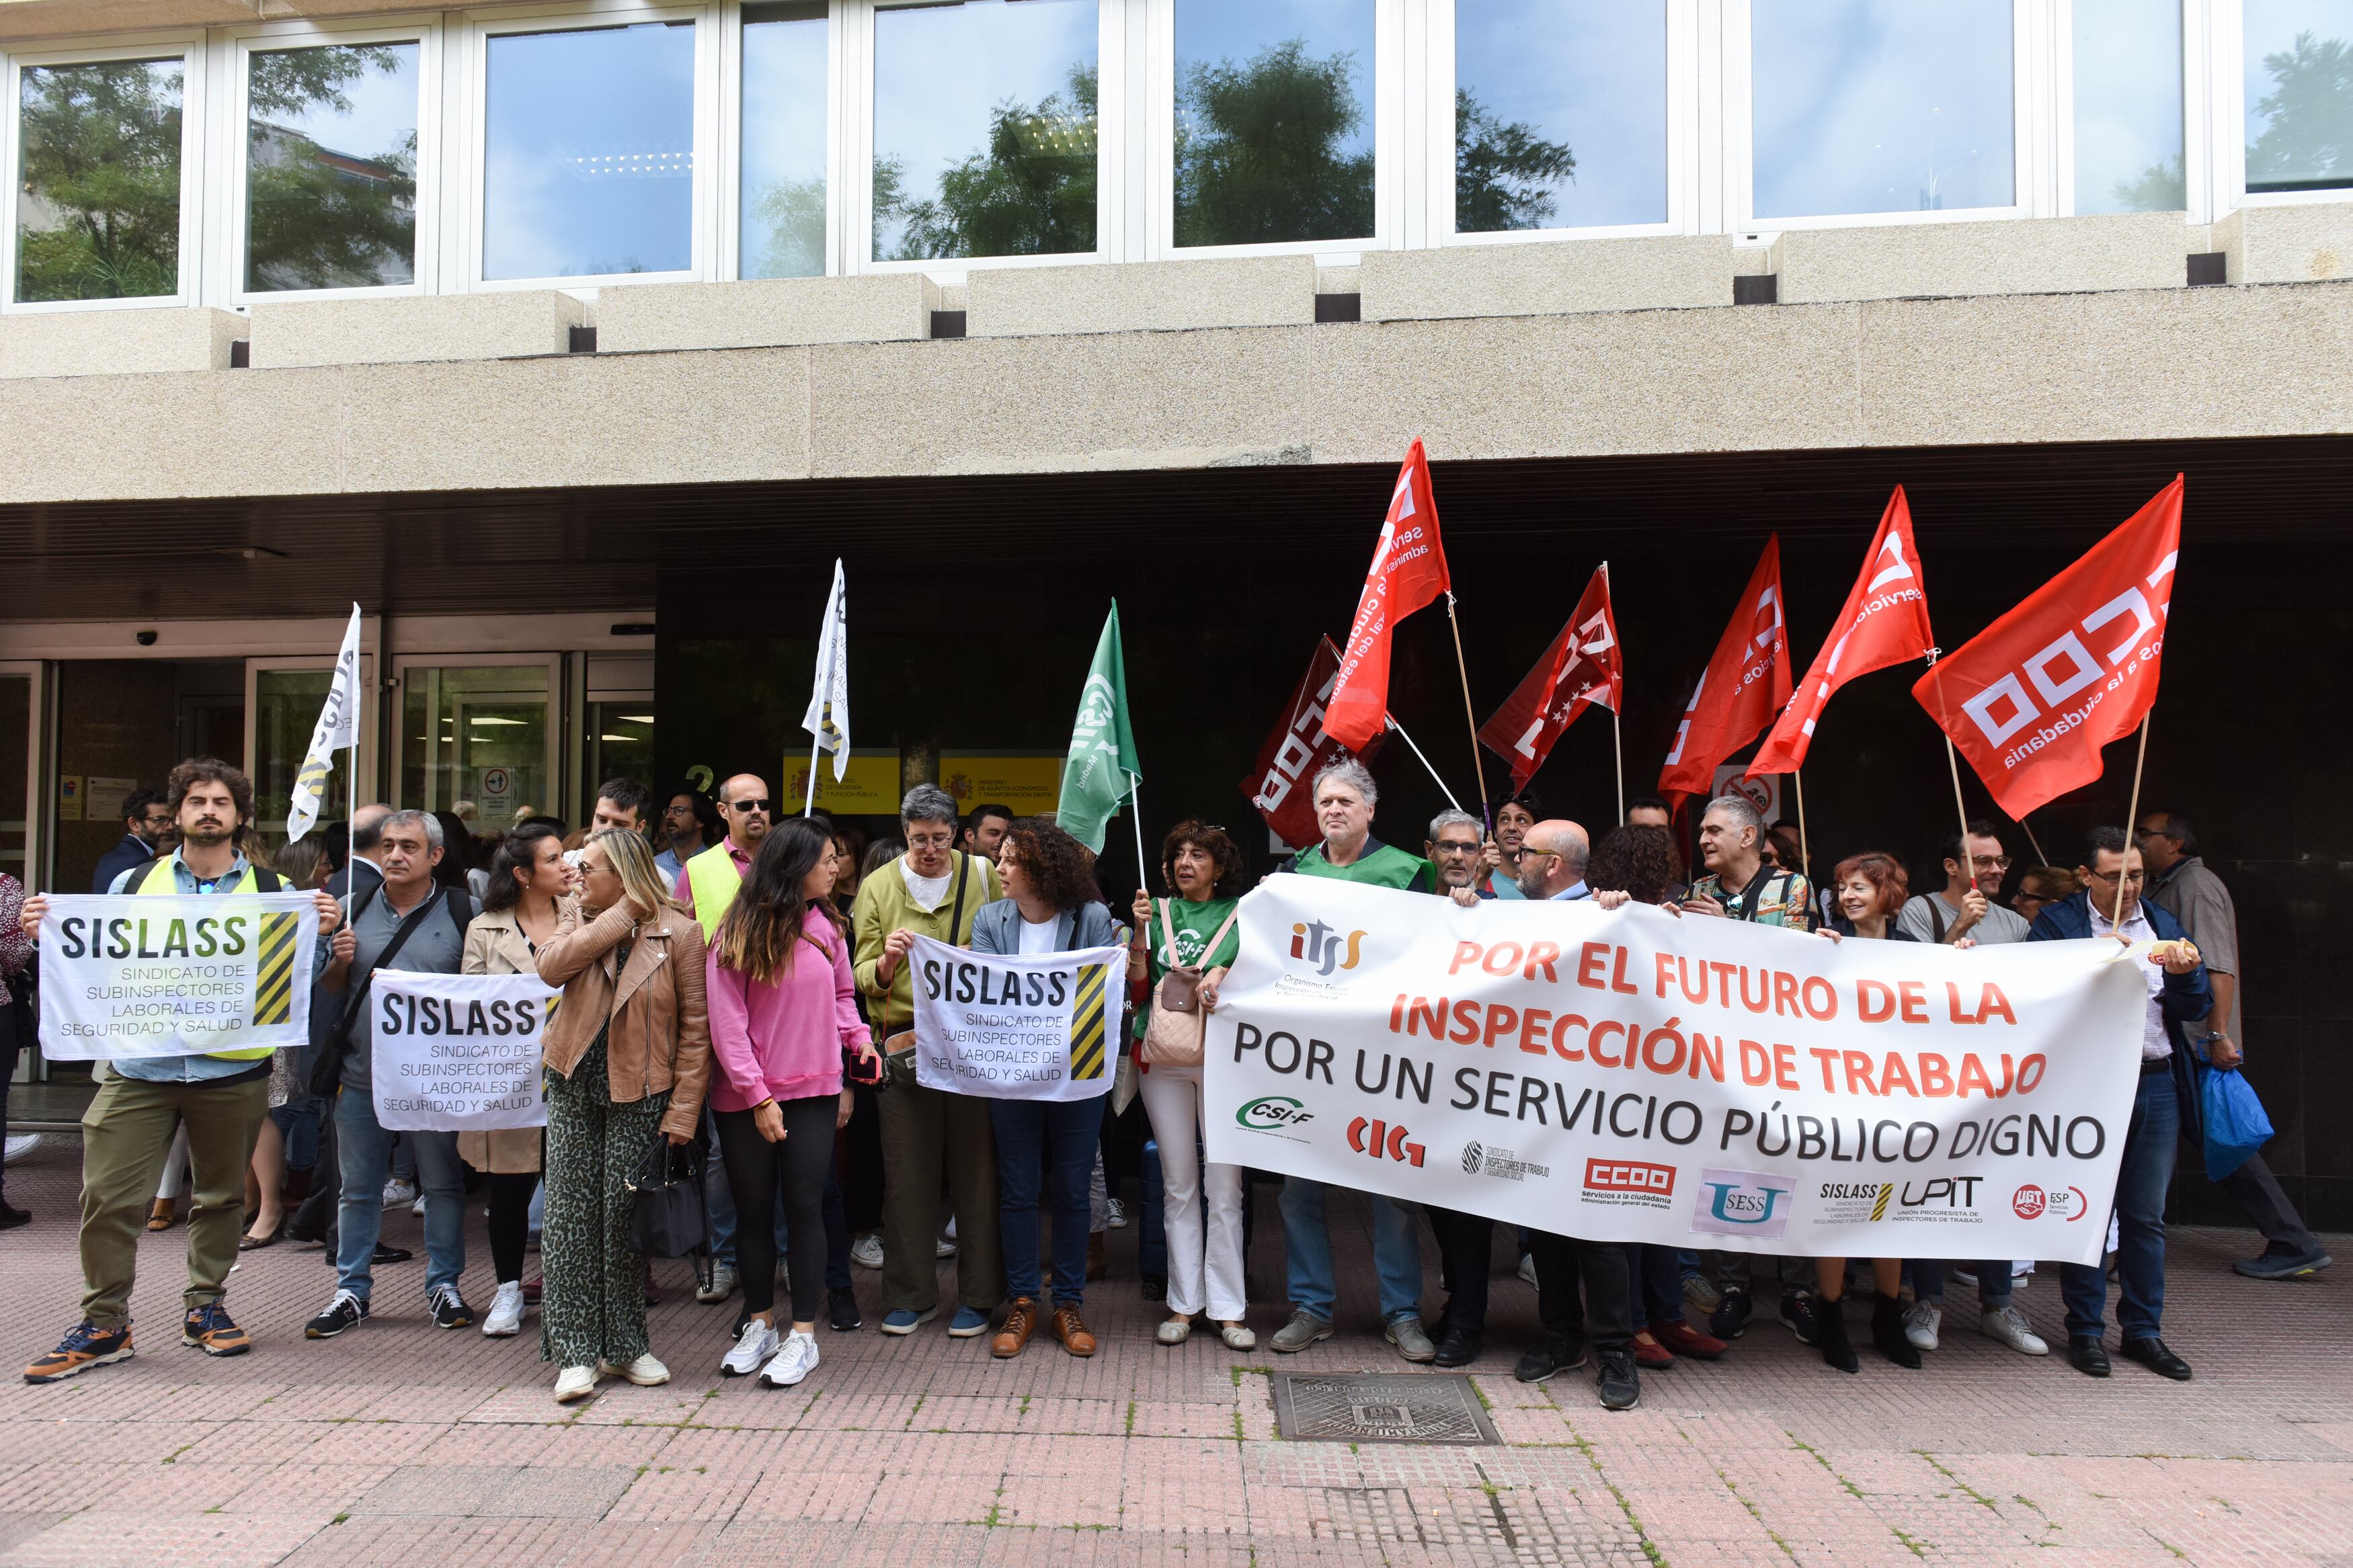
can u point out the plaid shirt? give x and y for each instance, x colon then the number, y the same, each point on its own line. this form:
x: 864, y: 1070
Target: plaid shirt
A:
x: 1786, y: 899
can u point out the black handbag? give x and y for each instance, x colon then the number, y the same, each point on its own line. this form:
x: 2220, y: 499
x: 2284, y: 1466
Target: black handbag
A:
x: 667, y: 1215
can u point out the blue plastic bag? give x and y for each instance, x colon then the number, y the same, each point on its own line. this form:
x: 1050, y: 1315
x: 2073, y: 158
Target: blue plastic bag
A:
x: 2235, y: 1124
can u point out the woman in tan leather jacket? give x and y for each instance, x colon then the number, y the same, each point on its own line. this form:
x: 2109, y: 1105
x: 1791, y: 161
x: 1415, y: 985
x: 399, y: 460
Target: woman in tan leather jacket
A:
x: 628, y: 1056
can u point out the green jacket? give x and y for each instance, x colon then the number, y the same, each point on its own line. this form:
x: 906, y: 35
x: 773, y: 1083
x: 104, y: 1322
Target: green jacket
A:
x: 1380, y: 865
x: 884, y: 905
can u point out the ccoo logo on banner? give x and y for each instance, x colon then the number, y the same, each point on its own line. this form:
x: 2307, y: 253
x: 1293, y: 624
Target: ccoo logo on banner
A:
x: 1006, y: 1027
x: 458, y: 1053
x: 175, y: 975
x: 1628, y: 1076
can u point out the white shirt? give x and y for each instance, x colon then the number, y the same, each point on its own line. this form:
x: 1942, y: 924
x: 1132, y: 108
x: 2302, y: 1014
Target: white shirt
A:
x: 929, y: 892
x: 2156, y: 1045
x: 1038, y: 936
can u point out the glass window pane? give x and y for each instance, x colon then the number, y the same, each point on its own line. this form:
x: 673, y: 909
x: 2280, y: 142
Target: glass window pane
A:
x: 783, y: 222
x: 475, y: 741
x: 286, y: 704
x: 2129, y: 107
x: 1274, y: 120
x: 985, y: 130
x: 2299, y: 95
x: 1881, y: 105
x: 331, y: 167
x: 97, y: 187
x: 590, y: 165
x: 1560, y: 113
x: 620, y: 741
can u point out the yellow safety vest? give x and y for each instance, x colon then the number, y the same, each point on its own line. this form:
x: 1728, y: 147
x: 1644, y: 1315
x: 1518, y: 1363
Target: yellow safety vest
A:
x: 160, y: 879
x: 715, y: 881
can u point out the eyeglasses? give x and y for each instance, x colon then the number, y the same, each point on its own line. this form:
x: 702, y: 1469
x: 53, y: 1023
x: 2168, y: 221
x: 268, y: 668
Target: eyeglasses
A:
x: 1998, y: 862
x: 2132, y: 878
x: 1457, y: 849
x: 745, y: 806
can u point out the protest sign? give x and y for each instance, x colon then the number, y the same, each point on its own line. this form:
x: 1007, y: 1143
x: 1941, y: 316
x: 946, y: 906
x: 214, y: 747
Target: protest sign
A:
x: 1694, y: 1082
x: 174, y: 975
x: 458, y: 1053
x: 1005, y: 1027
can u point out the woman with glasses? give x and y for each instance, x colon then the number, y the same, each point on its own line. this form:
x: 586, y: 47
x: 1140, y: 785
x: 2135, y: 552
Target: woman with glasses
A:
x: 2039, y: 886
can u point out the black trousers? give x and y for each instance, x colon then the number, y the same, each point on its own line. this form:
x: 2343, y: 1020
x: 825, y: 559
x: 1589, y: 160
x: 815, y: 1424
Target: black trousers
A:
x: 1467, y: 1241
x: 510, y: 1222
x: 803, y: 1163
x: 2260, y: 1197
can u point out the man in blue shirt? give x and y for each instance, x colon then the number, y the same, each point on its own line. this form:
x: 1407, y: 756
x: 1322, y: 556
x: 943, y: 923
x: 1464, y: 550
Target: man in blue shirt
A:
x: 146, y: 820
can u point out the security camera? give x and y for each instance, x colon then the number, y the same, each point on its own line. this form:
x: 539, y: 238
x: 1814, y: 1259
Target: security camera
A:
x: 146, y: 639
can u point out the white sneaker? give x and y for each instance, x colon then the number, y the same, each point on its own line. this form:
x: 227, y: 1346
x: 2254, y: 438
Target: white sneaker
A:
x: 865, y: 1251
x: 794, y: 1361
x: 751, y: 1351
x: 418, y: 1208
x: 723, y: 1280
x: 1528, y: 1267
x: 644, y: 1371
x: 2010, y: 1326
x: 1114, y: 1214
x: 21, y: 1145
x: 505, y: 1320
x: 944, y: 1248
x: 950, y: 1231
x: 397, y: 1191
x: 575, y: 1383
x: 1921, y: 1321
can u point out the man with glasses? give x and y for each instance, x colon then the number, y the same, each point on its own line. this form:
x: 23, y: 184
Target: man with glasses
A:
x: 2164, y: 1104
x: 146, y: 821
x: 690, y: 826
x: 1964, y: 906
x: 707, y: 884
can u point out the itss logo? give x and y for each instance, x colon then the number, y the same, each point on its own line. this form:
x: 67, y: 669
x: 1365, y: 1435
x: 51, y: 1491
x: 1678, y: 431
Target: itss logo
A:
x: 1325, y: 949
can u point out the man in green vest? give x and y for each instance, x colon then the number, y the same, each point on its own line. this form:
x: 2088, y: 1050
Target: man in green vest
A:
x: 144, y: 1101
x: 1344, y: 797
x: 708, y: 882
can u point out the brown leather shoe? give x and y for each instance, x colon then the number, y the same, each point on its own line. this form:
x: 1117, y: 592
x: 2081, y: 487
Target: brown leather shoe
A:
x: 1072, y: 1330
x: 1020, y: 1322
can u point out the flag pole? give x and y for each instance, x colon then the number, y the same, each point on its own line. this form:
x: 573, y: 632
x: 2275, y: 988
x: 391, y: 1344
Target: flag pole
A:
x: 1449, y: 793
x: 2124, y: 861
x: 1135, y: 811
x: 2040, y: 857
x: 1805, y: 855
x: 1953, y: 758
x: 809, y: 806
x: 1617, y: 744
x: 1478, y: 763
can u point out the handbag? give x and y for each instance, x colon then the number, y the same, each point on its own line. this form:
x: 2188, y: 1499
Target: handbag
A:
x: 1176, y: 1033
x: 2235, y: 1123
x: 666, y: 1215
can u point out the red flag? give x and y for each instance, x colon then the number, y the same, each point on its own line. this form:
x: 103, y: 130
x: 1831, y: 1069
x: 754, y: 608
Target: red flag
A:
x: 1297, y: 751
x: 1582, y: 666
x: 1885, y: 622
x: 1409, y: 571
x: 2032, y: 698
x: 1746, y: 683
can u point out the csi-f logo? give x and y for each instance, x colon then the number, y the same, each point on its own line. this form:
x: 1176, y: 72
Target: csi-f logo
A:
x: 1743, y: 1203
x: 1269, y: 1112
x: 1325, y: 949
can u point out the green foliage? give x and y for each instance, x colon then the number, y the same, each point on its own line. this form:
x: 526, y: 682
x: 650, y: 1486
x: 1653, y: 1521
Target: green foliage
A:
x: 2159, y: 188
x: 791, y: 215
x: 99, y: 205
x: 321, y: 218
x: 1030, y: 192
x: 1504, y: 174
x: 2307, y: 140
x: 1260, y: 153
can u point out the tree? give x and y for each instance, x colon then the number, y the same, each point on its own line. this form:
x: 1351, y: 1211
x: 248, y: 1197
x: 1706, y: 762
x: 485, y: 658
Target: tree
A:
x: 1261, y: 150
x: 2159, y: 188
x: 1504, y: 174
x: 319, y: 218
x: 791, y: 214
x: 1030, y: 192
x: 98, y: 215
x: 2307, y: 140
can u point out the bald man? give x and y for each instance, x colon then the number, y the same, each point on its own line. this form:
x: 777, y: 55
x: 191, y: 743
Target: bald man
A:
x: 1552, y: 861
x: 707, y: 882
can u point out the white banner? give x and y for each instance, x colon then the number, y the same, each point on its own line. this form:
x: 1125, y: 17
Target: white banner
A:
x: 1017, y: 1028
x: 174, y: 975
x: 1689, y: 1082
x: 457, y: 1053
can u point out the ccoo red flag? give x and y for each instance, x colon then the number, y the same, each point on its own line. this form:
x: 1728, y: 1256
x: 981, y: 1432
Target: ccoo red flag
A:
x: 1582, y: 666
x: 1885, y: 622
x: 2032, y: 698
x: 1746, y: 683
x: 1409, y: 571
x: 1297, y: 751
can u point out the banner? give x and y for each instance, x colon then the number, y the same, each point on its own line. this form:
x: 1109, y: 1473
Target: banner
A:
x: 176, y: 975
x: 827, y: 719
x: 1043, y: 1027
x: 1297, y: 751
x: 1629, y: 1076
x: 458, y: 1053
x: 1583, y: 666
x: 336, y: 731
x: 1747, y: 681
x: 1409, y: 571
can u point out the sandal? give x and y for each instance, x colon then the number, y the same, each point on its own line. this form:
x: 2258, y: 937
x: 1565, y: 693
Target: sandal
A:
x: 1173, y: 1331
x: 159, y: 1215
x: 1238, y: 1336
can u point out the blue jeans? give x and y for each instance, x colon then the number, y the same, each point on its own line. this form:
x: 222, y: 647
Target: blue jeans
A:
x: 298, y: 1125
x: 1993, y: 1281
x: 1029, y: 1135
x: 1655, y: 1285
x: 366, y: 1153
x: 2141, y: 1182
x: 1396, y: 1253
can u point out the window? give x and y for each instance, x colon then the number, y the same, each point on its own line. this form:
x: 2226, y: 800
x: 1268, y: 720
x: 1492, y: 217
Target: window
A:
x: 2128, y: 66
x: 1274, y: 120
x: 985, y: 130
x: 1561, y: 114
x: 589, y: 167
x: 1879, y: 106
x: 2299, y: 86
x: 475, y: 740
x: 783, y: 190
x: 98, y: 180
x: 331, y: 167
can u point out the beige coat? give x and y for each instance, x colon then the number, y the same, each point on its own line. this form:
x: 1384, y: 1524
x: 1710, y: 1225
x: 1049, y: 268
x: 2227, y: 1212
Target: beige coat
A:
x: 495, y: 945
x: 660, y: 1035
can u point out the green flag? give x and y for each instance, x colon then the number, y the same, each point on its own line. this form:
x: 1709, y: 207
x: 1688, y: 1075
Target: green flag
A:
x: 1102, y: 767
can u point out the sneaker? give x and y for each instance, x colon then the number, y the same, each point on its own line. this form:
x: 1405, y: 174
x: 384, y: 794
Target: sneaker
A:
x: 1619, y: 1386
x: 751, y: 1350
x: 1528, y: 1267
x: 907, y: 1319
x: 723, y: 1280
x: 644, y: 1371
x: 1921, y: 1321
x: 1729, y: 1321
x: 944, y: 1248
x: 969, y: 1324
x: 1073, y: 1330
x: 1551, y: 1354
x: 505, y: 1320
x: 418, y: 1208
x: 1797, y: 1316
x: 21, y: 1145
x: 794, y: 1362
x: 575, y: 1383
x: 345, y: 1311
x: 208, y: 1328
x: 2009, y: 1326
x: 1114, y: 1214
x: 842, y: 1309
x: 867, y: 1252
x: 1412, y: 1341
x: 1701, y: 1294
x: 84, y: 1347
x: 1967, y: 1276
x: 397, y: 1191
x: 2274, y: 1262
x: 1303, y: 1329
x: 449, y: 1308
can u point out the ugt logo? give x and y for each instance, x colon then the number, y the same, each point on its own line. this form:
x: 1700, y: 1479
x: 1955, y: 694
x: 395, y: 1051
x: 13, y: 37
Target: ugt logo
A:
x: 1743, y: 1203
x: 1325, y: 949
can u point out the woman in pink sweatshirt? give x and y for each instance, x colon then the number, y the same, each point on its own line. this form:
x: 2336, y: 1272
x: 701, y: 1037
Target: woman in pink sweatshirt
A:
x: 784, y: 1008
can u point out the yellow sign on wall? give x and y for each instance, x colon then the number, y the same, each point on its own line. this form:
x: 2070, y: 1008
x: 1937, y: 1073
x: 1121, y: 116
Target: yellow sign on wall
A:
x: 869, y: 786
x: 1028, y: 783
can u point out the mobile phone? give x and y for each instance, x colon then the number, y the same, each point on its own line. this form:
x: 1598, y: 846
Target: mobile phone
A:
x: 863, y: 1066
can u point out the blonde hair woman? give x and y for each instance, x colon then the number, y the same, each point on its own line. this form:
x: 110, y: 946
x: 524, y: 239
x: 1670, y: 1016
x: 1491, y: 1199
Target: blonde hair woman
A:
x: 627, y: 1058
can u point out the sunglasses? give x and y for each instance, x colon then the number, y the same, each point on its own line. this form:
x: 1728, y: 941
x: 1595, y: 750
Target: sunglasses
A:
x: 746, y: 806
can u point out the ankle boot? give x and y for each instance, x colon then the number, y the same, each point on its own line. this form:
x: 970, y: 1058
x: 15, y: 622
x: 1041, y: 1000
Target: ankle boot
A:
x: 1887, y: 1332
x: 1829, y: 1325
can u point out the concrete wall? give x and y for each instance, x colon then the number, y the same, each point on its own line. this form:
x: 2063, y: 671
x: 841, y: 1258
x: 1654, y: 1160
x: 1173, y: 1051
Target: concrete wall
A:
x: 2300, y: 244
x: 767, y: 313
x: 2028, y: 256
x: 1153, y: 297
x: 116, y: 341
x: 437, y: 327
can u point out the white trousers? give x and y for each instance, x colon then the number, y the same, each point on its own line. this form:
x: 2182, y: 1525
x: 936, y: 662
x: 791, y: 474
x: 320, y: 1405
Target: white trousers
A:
x: 1172, y: 1097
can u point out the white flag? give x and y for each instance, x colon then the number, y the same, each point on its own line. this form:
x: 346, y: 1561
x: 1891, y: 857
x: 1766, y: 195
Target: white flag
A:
x: 338, y: 731
x: 828, y: 718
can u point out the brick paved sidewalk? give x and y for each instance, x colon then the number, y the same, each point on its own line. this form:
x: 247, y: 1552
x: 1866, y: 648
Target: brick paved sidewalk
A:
x: 401, y: 1445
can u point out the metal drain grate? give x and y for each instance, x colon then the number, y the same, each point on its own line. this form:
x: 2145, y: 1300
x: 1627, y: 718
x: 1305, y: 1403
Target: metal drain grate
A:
x: 1381, y: 1407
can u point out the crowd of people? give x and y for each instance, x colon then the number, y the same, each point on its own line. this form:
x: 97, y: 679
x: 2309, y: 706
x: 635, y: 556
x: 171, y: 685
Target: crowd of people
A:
x: 744, y: 994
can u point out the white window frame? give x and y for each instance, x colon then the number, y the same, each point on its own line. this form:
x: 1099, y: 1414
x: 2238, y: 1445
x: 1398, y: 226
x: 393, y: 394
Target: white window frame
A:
x: 2196, y: 139
x: 467, y: 100
x: 1430, y: 221
x: 188, y: 45
x: 2227, y: 38
x: 228, y: 228
x: 2032, y: 189
x: 727, y: 265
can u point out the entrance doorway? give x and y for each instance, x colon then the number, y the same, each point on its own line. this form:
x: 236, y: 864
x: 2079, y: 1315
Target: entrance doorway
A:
x: 124, y: 725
